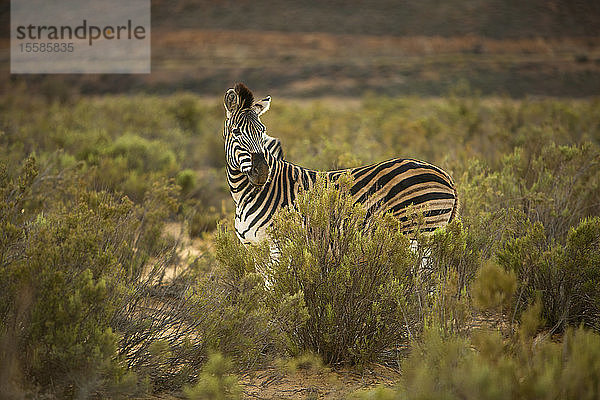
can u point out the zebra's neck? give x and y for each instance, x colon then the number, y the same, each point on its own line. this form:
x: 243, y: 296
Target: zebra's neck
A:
x: 240, y: 187
x: 256, y: 205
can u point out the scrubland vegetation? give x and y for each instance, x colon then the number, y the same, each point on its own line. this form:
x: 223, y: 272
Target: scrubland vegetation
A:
x: 96, y: 301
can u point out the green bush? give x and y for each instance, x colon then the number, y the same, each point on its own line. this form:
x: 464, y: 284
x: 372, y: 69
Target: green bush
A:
x: 303, y: 362
x: 546, y: 183
x: 379, y: 393
x: 68, y: 259
x: 239, y: 324
x: 493, y: 288
x: 340, y: 284
x: 216, y: 382
x: 488, y: 367
x: 353, y: 273
x: 201, y: 219
x: 187, y: 112
x: 141, y: 154
x: 84, y: 298
x: 449, y: 262
x: 565, y: 276
x: 186, y: 179
x: 243, y: 323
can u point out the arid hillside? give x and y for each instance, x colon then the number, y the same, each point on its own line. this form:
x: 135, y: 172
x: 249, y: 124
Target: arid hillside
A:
x: 350, y: 48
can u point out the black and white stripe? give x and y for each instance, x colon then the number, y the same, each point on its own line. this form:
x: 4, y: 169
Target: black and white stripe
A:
x: 395, y: 185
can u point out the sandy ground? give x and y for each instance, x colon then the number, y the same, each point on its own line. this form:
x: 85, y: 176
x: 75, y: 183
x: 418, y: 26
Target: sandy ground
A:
x: 324, y: 384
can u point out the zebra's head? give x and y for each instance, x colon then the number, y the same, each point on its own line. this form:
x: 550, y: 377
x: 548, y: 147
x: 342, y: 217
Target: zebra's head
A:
x: 244, y: 134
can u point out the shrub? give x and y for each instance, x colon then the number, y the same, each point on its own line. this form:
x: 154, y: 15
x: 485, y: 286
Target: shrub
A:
x: 338, y: 285
x: 203, y: 220
x: 306, y: 362
x: 551, y: 184
x: 379, y: 393
x: 216, y: 382
x: 158, y: 321
x: 527, y: 172
x: 448, y: 265
x: 493, y: 287
x: 141, y: 154
x: 452, y: 248
x: 488, y: 367
x: 353, y: 273
x: 186, y: 180
x: 68, y: 260
x: 86, y: 309
x: 239, y: 325
x: 580, y: 377
x: 565, y: 276
x: 187, y: 112
x: 245, y: 324
x: 158, y: 205
x: 131, y: 164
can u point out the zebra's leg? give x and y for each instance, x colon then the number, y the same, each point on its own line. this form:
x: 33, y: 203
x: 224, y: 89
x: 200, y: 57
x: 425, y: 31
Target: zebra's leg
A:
x: 267, y: 271
x: 424, y: 253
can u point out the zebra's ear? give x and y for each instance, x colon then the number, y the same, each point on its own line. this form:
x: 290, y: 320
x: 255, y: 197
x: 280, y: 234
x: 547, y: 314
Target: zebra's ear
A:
x: 262, y: 106
x: 230, y: 101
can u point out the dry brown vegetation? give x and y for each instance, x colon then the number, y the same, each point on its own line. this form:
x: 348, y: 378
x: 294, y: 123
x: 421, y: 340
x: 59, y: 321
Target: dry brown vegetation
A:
x: 305, y: 64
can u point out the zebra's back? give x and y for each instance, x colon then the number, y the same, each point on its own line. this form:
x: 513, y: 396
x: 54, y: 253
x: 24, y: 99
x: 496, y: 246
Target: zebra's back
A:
x: 403, y: 186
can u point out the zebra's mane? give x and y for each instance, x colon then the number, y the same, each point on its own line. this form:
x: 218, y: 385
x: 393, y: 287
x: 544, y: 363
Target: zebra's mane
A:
x: 245, y: 95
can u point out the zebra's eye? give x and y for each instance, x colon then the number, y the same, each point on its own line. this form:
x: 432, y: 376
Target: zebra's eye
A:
x: 236, y: 131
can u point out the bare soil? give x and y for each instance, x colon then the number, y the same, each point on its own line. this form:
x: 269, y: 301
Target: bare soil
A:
x: 309, y: 384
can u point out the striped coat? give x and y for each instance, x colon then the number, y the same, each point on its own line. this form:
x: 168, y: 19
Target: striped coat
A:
x: 388, y: 186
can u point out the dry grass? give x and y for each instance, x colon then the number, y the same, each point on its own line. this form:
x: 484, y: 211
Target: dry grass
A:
x: 318, y: 63
x: 325, y: 64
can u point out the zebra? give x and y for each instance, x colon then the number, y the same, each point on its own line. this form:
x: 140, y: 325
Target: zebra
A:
x: 261, y: 181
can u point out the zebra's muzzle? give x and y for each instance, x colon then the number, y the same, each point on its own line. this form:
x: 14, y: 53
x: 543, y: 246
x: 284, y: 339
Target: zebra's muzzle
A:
x: 259, y: 172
